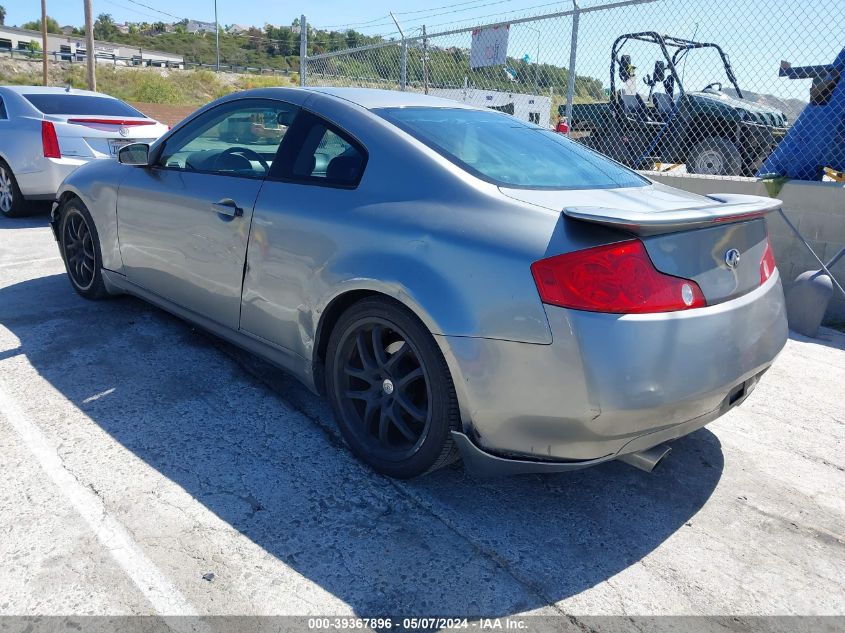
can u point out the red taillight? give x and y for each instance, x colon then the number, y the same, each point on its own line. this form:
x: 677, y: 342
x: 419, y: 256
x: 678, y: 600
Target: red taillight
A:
x: 767, y: 264
x: 49, y: 140
x: 618, y: 278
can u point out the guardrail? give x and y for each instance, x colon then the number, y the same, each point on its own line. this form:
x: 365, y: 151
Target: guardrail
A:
x: 140, y: 62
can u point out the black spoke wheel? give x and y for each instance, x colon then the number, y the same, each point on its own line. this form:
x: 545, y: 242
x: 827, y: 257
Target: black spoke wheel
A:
x: 391, y: 390
x: 81, y: 250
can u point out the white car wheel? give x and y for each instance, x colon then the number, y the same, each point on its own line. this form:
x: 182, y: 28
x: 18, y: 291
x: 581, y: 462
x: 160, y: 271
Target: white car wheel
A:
x: 11, y: 200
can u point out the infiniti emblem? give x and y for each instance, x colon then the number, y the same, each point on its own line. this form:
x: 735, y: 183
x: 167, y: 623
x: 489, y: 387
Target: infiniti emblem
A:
x: 123, y: 131
x: 732, y: 257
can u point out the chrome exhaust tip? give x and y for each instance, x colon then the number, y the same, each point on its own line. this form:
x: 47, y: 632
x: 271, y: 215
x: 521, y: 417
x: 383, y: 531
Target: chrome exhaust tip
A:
x: 648, y: 459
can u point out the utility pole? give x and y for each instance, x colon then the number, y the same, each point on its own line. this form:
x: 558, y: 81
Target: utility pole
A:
x: 217, y: 36
x: 573, y: 50
x: 44, y: 39
x: 303, y: 51
x: 425, y: 60
x: 536, y: 61
x: 89, y: 46
x: 403, y: 61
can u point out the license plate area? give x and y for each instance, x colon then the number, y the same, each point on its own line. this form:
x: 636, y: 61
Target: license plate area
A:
x: 116, y: 143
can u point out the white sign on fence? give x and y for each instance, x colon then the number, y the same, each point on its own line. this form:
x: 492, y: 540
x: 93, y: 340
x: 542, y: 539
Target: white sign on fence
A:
x: 489, y: 46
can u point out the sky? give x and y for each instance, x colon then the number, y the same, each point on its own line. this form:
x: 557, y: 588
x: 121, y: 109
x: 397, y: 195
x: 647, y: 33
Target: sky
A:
x: 320, y: 13
x: 757, y: 34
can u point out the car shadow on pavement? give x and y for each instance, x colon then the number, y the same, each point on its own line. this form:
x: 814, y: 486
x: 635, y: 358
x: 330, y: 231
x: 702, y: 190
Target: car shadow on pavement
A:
x: 31, y: 221
x: 262, y: 453
x: 37, y: 215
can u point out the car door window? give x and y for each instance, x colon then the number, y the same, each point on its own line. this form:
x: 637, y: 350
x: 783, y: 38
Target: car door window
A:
x: 327, y: 156
x: 237, y: 139
x: 2, y: 109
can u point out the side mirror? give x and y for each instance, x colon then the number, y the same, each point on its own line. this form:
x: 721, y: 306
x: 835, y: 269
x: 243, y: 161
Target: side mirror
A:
x: 134, y: 154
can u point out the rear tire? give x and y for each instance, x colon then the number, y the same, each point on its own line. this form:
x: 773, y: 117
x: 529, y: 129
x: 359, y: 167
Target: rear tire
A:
x: 390, y: 390
x: 80, y: 249
x: 12, y: 202
x: 715, y: 156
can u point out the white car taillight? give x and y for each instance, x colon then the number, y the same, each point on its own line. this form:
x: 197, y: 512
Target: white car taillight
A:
x: 49, y: 140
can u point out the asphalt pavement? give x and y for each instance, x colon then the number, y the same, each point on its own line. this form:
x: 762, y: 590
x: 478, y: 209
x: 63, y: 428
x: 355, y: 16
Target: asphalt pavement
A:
x: 149, y: 468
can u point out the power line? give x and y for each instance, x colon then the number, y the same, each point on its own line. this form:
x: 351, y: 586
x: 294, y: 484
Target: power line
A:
x: 446, y: 6
x: 427, y: 16
x: 336, y: 26
x: 146, y: 6
x: 496, y: 15
x: 482, y: 6
x: 125, y: 8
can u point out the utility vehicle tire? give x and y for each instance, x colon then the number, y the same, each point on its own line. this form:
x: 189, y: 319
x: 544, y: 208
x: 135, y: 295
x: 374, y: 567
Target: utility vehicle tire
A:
x: 715, y: 156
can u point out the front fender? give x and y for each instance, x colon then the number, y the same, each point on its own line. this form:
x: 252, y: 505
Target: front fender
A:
x: 96, y: 185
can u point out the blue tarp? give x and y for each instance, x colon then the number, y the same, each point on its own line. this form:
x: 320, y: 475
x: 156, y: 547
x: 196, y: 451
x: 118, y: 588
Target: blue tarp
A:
x: 817, y: 138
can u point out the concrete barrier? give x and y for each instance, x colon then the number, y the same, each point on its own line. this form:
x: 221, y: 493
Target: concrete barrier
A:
x: 817, y: 209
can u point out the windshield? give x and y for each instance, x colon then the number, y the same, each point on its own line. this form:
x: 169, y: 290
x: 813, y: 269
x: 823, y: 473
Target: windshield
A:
x: 508, y: 152
x: 49, y: 103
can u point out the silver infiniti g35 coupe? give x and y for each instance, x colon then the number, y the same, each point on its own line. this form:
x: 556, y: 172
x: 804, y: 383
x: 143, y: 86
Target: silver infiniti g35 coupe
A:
x: 455, y: 281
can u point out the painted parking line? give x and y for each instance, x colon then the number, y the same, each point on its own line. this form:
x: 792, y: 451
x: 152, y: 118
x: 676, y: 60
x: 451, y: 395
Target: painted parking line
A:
x: 165, y: 598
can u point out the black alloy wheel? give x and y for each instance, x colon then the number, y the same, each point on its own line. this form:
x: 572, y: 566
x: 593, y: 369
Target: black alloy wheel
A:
x: 391, y: 391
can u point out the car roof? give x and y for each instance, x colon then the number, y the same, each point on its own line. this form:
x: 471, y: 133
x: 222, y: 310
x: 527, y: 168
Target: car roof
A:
x: 371, y: 98
x: 31, y: 90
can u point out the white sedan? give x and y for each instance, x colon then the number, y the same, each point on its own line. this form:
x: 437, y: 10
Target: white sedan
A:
x: 46, y: 133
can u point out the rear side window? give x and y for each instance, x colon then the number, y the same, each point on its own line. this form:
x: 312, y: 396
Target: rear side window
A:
x: 2, y: 109
x: 325, y: 155
x: 508, y: 152
x: 49, y: 103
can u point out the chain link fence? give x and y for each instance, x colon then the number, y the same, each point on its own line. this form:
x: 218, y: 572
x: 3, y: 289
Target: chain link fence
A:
x: 672, y: 85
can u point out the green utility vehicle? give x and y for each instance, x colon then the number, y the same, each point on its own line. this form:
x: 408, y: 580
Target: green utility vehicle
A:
x: 709, y: 130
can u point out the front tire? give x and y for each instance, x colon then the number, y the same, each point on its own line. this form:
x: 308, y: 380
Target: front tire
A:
x: 12, y: 202
x: 80, y: 248
x: 715, y: 156
x: 390, y: 390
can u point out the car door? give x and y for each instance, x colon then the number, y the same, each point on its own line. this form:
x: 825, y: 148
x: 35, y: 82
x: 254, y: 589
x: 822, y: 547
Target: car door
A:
x: 298, y: 222
x: 183, y: 222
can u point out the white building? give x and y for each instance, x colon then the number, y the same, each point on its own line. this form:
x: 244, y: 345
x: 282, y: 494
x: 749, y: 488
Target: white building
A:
x: 195, y: 26
x: 71, y: 48
x: 526, y: 107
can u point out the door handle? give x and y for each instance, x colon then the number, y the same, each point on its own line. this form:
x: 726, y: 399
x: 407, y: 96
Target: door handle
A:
x: 227, y: 207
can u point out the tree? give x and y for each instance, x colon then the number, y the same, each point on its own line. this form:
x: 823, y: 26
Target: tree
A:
x: 104, y: 28
x: 35, y: 25
x: 2, y: 14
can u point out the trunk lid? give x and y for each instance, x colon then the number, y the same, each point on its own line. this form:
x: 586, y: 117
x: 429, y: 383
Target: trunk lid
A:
x: 718, y: 241
x: 723, y: 260
x: 87, y: 136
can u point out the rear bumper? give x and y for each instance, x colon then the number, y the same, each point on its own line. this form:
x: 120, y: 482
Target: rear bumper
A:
x: 44, y: 182
x: 609, y: 385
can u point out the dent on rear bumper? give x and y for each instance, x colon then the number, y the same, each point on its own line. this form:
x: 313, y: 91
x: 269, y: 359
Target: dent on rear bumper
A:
x: 608, y: 380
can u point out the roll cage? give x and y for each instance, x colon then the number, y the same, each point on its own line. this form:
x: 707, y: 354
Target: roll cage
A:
x: 679, y: 47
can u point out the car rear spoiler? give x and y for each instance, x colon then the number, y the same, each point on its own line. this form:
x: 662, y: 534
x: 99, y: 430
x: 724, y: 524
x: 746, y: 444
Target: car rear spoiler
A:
x: 729, y: 207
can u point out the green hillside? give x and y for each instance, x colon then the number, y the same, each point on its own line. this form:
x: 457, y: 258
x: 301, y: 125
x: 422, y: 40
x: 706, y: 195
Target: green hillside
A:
x: 278, y: 48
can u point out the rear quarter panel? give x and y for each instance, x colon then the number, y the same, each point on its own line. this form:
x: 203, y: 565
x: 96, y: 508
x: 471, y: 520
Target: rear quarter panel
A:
x: 417, y: 228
